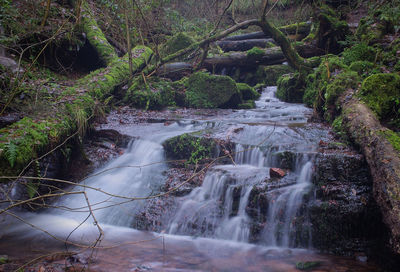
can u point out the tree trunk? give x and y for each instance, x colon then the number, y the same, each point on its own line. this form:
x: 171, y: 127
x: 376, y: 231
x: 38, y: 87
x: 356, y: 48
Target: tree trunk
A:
x: 269, y: 56
x: 383, y: 160
x: 95, y: 36
x: 81, y: 98
x: 302, y: 28
x: 244, y: 45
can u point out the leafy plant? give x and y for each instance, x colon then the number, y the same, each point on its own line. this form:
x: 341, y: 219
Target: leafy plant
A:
x: 11, y: 153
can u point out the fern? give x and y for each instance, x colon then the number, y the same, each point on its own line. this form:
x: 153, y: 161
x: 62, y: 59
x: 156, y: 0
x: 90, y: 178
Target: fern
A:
x: 31, y: 189
x: 11, y: 153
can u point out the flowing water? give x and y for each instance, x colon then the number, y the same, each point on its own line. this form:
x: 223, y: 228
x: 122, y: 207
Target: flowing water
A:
x: 211, y: 227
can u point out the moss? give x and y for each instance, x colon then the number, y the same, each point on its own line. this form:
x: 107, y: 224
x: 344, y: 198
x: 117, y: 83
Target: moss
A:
x: 155, y: 94
x: 212, y: 91
x: 330, y: 30
x: 307, y: 265
x: 190, y: 148
x: 249, y: 104
x: 26, y: 139
x: 176, y: 43
x: 364, y: 68
x: 247, y: 92
x: 287, y: 90
x: 270, y: 74
x: 29, y: 138
x: 381, y: 92
x: 96, y: 37
x: 301, y: 27
x: 393, y: 138
x: 359, y: 52
x: 342, y: 82
x: 255, y: 53
x: 318, y: 81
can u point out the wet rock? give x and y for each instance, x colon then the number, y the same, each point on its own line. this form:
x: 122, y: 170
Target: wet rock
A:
x: 344, y: 207
x: 110, y: 135
x: 276, y: 173
x: 10, y: 118
x: 10, y: 64
x: 341, y: 167
x: 211, y: 91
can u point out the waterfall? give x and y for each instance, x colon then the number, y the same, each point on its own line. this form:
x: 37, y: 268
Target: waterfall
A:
x: 284, y: 204
x: 218, y: 208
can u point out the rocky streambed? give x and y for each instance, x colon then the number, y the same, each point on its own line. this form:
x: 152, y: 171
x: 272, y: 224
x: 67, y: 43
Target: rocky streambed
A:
x: 247, y: 190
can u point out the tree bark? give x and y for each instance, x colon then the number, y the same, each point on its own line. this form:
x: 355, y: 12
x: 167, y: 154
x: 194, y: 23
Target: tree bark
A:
x: 270, y: 56
x: 384, y: 162
x: 302, y: 28
x: 95, y: 36
x: 243, y: 45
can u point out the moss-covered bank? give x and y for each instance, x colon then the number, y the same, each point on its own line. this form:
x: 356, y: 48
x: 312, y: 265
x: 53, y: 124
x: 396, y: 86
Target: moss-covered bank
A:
x: 29, y: 138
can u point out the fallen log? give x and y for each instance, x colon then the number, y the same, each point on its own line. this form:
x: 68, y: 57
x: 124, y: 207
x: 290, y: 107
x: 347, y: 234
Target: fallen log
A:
x: 96, y: 37
x: 29, y: 138
x: 383, y: 160
x: 175, y: 70
x: 300, y: 28
x: 244, y: 45
x: 268, y: 56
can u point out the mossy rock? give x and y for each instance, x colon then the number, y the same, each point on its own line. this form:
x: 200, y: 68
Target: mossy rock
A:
x: 364, y: 68
x: 382, y: 19
x: 270, y: 74
x: 190, y: 148
x: 381, y: 92
x: 212, y: 91
x: 157, y: 93
x: 247, y: 92
x: 318, y: 81
x: 359, y: 52
x: 341, y: 82
x: 176, y: 43
x: 249, y: 104
x: 287, y: 89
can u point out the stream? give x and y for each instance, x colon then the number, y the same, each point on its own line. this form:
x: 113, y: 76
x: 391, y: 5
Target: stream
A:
x: 208, y: 229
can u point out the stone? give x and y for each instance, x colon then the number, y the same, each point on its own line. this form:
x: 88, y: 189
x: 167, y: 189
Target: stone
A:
x: 276, y: 173
x: 10, y: 64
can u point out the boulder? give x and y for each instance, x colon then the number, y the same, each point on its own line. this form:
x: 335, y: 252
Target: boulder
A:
x: 212, y: 91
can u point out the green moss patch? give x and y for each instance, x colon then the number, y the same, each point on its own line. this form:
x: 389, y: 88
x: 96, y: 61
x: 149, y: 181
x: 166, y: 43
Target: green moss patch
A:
x: 190, y: 148
x: 359, y: 52
x: 249, y: 104
x: 255, y: 53
x: 270, y: 74
x: 381, y: 92
x: 31, y: 137
x: 212, y: 91
x: 155, y: 94
x: 247, y: 92
x: 177, y: 42
x: 287, y: 90
x: 393, y: 138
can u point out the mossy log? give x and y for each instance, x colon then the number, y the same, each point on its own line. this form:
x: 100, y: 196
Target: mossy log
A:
x: 175, y: 70
x: 376, y: 142
x: 95, y: 36
x: 268, y: 56
x: 29, y: 138
x: 245, y: 45
x: 302, y: 28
